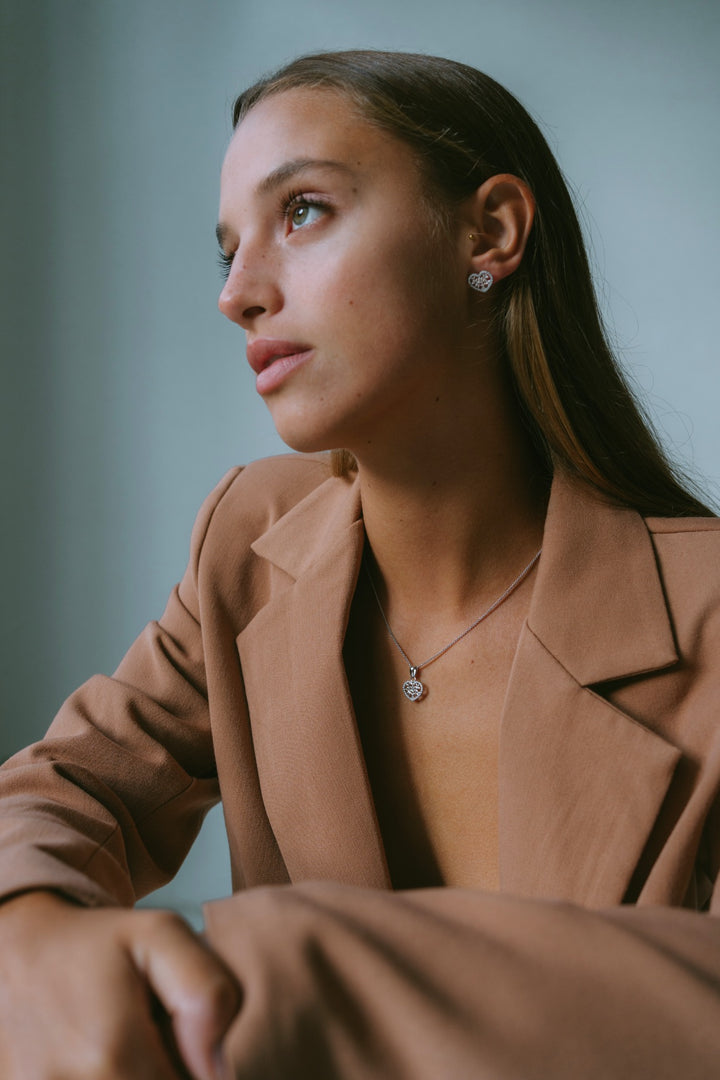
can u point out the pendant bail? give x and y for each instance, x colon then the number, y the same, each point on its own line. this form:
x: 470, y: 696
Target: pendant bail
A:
x: 413, y: 672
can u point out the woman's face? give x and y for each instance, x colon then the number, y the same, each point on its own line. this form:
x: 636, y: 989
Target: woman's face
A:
x: 354, y: 311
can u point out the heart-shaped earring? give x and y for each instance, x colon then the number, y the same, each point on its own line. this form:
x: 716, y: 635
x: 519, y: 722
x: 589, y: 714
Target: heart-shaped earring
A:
x: 481, y: 282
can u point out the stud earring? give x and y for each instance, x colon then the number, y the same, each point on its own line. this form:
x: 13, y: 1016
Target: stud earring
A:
x: 481, y: 282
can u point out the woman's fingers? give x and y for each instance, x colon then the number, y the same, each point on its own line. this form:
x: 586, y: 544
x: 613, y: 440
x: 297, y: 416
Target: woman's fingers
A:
x: 123, y: 995
x: 195, y: 989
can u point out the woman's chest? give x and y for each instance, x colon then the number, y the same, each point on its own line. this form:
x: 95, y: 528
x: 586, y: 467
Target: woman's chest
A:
x: 433, y: 763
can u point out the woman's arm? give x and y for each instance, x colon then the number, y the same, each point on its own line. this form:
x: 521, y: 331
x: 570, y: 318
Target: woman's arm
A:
x: 341, y: 982
x: 105, y: 807
x: 98, y: 813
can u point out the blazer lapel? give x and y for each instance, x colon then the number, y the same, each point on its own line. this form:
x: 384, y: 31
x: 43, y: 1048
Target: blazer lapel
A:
x: 581, y: 783
x: 307, y: 746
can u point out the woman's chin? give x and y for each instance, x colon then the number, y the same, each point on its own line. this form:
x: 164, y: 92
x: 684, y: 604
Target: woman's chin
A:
x: 304, y: 442
x: 307, y: 434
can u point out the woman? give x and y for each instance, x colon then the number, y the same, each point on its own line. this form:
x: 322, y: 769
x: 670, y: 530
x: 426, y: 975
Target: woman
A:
x: 456, y: 685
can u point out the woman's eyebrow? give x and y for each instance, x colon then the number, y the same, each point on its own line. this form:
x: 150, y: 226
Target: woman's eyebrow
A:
x: 289, y: 169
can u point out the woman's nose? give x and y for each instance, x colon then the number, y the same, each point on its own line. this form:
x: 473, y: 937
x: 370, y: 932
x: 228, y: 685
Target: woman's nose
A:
x: 247, y: 293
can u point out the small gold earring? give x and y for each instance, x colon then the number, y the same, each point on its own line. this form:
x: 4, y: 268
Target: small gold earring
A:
x: 472, y: 236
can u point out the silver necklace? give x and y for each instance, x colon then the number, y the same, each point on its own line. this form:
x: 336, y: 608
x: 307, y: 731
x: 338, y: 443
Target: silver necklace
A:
x: 412, y: 688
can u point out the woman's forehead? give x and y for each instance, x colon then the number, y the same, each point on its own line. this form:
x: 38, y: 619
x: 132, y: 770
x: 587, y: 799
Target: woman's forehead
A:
x: 314, y: 124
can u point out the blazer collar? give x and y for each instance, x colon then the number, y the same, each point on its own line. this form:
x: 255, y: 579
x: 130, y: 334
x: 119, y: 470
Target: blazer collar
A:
x: 581, y: 783
x: 322, y: 520
x: 598, y: 603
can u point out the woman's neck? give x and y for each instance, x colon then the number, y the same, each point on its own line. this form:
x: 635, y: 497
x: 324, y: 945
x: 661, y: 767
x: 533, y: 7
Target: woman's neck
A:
x: 450, y: 521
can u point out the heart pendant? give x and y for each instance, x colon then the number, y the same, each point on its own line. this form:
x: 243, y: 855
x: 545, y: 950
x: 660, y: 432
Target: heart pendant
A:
x: 413, y: 689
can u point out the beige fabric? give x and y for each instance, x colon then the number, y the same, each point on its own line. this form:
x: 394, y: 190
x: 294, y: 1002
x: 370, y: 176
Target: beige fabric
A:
x: 608, y: 781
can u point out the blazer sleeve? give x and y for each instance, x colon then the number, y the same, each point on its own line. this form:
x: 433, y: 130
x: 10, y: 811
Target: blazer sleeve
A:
x: 106, y: 806
x: 342, y: 982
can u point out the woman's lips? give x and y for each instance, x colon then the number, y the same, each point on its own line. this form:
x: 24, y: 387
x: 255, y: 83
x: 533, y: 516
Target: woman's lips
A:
x: 273, y: 360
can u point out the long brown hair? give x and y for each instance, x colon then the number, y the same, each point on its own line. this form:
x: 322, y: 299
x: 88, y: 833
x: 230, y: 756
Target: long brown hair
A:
x: 464, y: 128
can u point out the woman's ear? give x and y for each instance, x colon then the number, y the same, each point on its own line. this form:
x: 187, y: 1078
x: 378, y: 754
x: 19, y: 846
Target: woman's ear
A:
x: 499, y: 216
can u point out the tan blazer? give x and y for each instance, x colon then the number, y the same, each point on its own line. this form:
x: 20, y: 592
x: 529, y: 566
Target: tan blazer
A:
x: 609, y: 773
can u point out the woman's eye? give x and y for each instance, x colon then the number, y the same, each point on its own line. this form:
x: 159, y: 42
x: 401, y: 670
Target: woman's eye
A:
x: 225, y: 263
x: 304, y: 213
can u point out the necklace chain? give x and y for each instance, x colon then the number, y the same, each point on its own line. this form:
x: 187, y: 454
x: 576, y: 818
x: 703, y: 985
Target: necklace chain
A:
x: 413, y: 688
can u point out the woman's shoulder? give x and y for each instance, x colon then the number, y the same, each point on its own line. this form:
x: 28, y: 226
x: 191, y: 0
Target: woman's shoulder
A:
x: 281, y: 478
x: 680, y: 526
x: 688, y: 542
x: 251, y: 498
x: 278, y: 483
x: 688, y: 556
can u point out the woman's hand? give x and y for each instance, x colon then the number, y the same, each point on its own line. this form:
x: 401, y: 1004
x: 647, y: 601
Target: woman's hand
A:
x: 108, y: 994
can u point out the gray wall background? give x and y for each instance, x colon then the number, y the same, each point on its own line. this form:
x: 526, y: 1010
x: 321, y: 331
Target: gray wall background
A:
x: 125, y: 395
